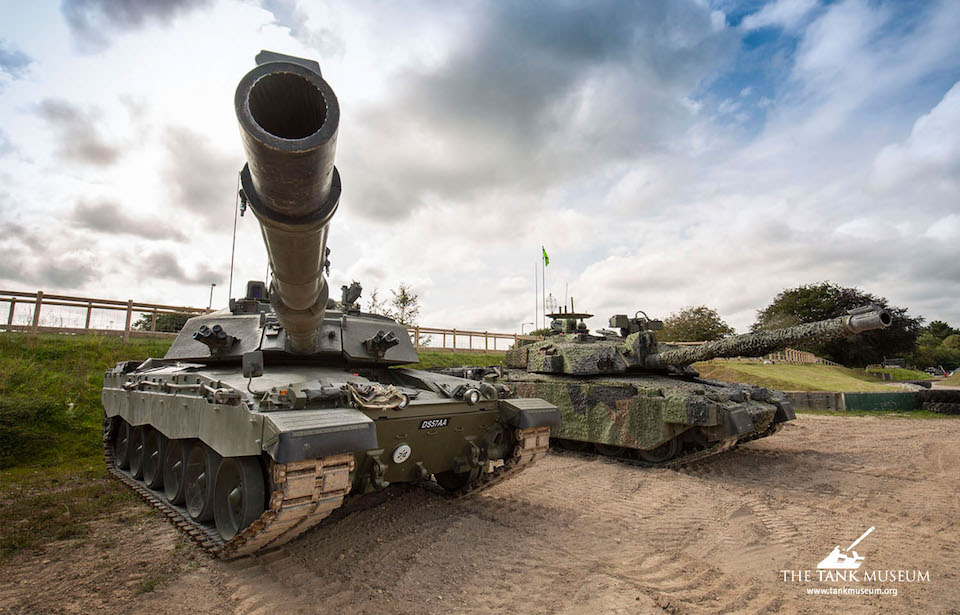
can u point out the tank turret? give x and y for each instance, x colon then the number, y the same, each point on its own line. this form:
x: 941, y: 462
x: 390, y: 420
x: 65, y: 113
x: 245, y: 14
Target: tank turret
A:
x: 289, y: 117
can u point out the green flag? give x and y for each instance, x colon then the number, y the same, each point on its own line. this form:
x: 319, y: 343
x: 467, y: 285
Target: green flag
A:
x: 546, y: 259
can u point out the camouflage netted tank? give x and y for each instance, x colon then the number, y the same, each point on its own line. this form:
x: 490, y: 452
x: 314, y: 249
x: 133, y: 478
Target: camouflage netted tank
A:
x: 623, y: 394
x: 263, y: 416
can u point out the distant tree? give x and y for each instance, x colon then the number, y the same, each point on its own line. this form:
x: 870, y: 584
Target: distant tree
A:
x: 952, y: 342
x: 375, y: 305
x: 813, y: 302
x: 940, y: 330
x: 405, y: 305
x: 170, y: 323
x: 694, y: 324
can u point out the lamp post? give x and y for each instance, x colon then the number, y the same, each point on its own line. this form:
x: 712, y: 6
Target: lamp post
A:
x: 210, y: 305
x: 522, y: 325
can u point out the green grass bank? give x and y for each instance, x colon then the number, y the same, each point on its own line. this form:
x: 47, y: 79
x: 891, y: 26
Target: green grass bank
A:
x: 50, y: 411
x: 794, y: 377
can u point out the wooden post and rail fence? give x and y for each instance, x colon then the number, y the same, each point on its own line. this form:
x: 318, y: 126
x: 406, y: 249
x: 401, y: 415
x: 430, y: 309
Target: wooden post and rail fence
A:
x: 39, y: 300
x: 451, y: 339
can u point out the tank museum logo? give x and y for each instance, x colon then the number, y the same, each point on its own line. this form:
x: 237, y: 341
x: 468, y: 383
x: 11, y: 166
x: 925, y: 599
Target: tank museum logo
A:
x: 847, y: 559
x: 844, y: 566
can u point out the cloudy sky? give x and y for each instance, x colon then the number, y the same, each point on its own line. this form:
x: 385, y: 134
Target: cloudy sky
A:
x: 666, y: 153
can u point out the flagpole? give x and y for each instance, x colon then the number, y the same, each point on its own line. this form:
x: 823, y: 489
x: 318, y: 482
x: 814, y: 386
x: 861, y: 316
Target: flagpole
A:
x: 536, y: 291
x: 543, y: 286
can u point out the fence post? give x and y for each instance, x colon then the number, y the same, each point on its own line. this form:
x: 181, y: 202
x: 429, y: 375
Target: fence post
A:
x: 86, y: 325
x: 454, y: 339
x: 516, y: 342
x: 416, y: 338
x: 153, y: 320
x: 444, y: 345
x: 486, y: 341
x: 36, y: 314
x: 126, y: 327
x: 13, y: 306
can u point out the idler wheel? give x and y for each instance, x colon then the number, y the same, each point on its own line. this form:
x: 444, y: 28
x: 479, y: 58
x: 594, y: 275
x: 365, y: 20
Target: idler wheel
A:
x: 174, y: 465
x: 198, y: 481
x: 452, y: 481
x: 665, y: 452
x: 239, y: 498
x: 136, y: 452
x: 609, y: 450
x: 121, y: 445
x: 154, y: 446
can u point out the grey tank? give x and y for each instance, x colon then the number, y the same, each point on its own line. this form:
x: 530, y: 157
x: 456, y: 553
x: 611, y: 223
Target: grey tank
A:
x: 263, y: 416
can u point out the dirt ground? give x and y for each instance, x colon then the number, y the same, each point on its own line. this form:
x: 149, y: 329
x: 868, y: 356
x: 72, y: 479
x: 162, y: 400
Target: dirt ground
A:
x: 573, y: 534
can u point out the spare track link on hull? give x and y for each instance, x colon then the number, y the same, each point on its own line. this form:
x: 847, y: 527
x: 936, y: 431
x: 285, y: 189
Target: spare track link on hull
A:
x: 304, y: 493
x: 710, y: 451
x: 532, y: 444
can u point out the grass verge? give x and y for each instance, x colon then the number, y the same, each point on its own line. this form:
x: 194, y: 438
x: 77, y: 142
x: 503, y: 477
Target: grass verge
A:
x: 953, y: 380
x: 899, y: 374
x: 791, y: 377
x: 431, y: 359
x: 50, y: 408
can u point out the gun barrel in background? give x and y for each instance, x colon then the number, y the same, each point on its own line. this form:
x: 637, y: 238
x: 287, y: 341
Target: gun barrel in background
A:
x: 289, y: 118
x: 764, y: 342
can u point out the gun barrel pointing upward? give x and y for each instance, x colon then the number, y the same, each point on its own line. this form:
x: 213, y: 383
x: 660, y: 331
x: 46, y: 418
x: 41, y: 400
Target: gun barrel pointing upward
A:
x: 857, y: 541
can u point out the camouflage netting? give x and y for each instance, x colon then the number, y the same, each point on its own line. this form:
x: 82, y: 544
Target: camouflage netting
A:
x: 757, y: 344
x: 643, y: 411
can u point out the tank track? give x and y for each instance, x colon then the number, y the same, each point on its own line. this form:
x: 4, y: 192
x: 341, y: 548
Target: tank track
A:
x: 769, y: 431
x: 532, y: 444
x: 304, y: 493
x: 672, y: 464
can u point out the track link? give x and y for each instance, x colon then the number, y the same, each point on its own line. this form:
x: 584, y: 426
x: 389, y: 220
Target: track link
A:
x: 304, y: 493
x: 532, y: 444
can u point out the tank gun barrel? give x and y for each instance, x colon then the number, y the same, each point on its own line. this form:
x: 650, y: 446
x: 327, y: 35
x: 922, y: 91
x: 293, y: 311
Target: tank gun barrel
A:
x: 857, y: 321
x: 289, y: 118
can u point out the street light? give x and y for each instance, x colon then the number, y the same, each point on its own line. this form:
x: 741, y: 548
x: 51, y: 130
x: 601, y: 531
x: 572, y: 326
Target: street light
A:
x: 210, y: 305
x: 522, y: 325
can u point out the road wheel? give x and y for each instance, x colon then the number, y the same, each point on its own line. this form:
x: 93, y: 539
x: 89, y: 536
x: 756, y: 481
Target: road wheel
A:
x: 665, y: 452
x: 136, y: 452
x: 174, y: 465
x: 198, y: 478
x: 609, y: 450
x: 121, y: 445
x: 453, y: 481
x: 239, y: 497
x: 154, y: 446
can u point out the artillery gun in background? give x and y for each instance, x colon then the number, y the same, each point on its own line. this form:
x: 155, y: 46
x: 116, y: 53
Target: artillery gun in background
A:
x: 263, y: 416
x: 623, y: 394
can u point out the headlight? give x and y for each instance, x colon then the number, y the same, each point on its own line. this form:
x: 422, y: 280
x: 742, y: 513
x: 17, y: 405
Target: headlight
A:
x: 472, y: 396
x: 404, y: 402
